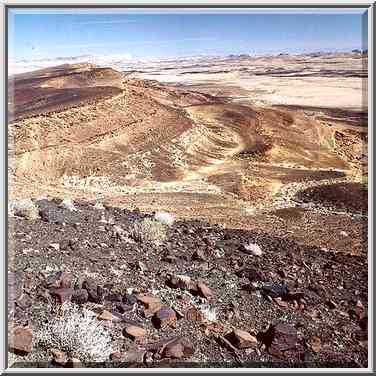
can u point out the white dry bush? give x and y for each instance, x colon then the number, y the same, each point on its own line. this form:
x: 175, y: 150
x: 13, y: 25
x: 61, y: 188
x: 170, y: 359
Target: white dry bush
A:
x: 77, y: 332
x: 210, y: 313
x: 254, y: 249
x: 149, y: 230
x: 164, y: 218
x: 23, y: 208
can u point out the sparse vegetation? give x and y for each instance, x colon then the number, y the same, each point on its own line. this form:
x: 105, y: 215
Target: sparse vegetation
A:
x: 78, y: 333
x: 149, y: 230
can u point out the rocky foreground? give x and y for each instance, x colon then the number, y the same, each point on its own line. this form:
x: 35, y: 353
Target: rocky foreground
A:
x: 145, y: 290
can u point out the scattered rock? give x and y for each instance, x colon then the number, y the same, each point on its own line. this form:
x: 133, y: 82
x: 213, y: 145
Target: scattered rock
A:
x: 96, y: 293
x: 183, y: 282
x: 62, y: 294
x: 20, y: 340
x: 151, y: 303
x: 55, y: 246
x: 122, y: 308
x: 15, y: 285
x: 60, y: 279
x: 80, y: 296
x: 204, y: 290
x: 164, y: 317
x: 331, y: 304
x: 280, y: 337
x: 199, y: 255
x: 314, y: 344
x: 60, y: 357
x: 129, y: 299
x: 108, y: 316
x: 114, y: 297
x: 24, y: 301
x: 241, y: 339
x: 135, y: 331
x: 252, y: 274
x: 193, y: 314
x: 281, y: 302
x: 275, y: 290
x: 179, y: 348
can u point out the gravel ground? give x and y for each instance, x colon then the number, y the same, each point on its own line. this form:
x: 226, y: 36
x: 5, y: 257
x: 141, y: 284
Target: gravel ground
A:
x: 317, y: 293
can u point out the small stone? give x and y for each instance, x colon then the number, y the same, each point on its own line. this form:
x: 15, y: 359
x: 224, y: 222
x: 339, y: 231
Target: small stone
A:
x: 242, y: 339
x: 331, y: 304
x: 193, y: 314
x: 179, y: 348
x: 24, y: 301
x: 281, y: 302
x: 62, y: 294
x: 108, y: 316
x: 60, y: 357
x: 151, y: 303
x: 142, y: 266
x: 115, y: 355
x: 60, y: 279
x: 199, y: 255
x: 275, y: 290
x: 135, y: 331
x: 314, y: 344
x: 182, y: 282
x: 204, y: 290
x: 252, y: 274
x: 76, y: 363
x: 129, y: 299
x: 280, y: 337
x: 122, y: 308
x: 114, y: 297
x: 80, y: 296
x: 20, y: 340
x: 55, y: 246
x: 164, y: 317
x: 15, y: 285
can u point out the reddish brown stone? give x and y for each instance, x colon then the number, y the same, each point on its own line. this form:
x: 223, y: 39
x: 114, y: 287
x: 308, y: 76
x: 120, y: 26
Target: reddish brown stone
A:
x: 164, y: 317
x: 20, y: 340
x: 242, y: 339
x: 62, y: 294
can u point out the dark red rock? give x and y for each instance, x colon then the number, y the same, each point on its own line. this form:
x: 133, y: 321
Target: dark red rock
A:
x: 164, y: 317
x: 242, y: 339
x: 252, y: 274
x: 179, y: 348
x: 62, y: 294
x: 129, y: 299
x: 15, y: 285
x: 124, y: 308
x: 199, y: 255
x: 114, y: 297
x: 279, y: 338
x: 275, y: 290
x: 80, y: 296
x: 20, y: 340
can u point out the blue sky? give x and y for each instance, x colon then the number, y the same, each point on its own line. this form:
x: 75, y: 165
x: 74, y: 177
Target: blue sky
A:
x: 35, y: 34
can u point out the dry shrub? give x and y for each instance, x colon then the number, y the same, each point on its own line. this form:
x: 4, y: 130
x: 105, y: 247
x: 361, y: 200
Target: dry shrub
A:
x: 78, y: 333
x: 149, y: 230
